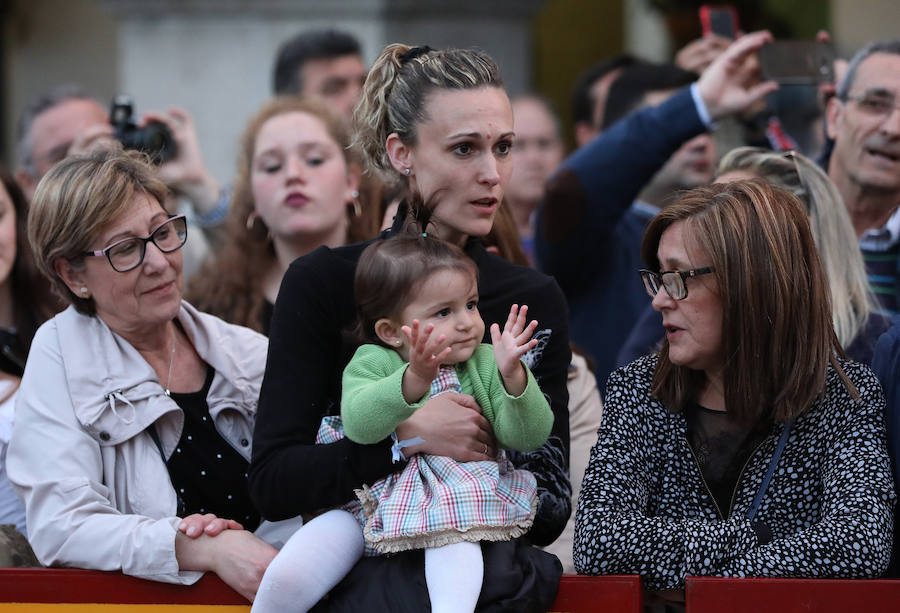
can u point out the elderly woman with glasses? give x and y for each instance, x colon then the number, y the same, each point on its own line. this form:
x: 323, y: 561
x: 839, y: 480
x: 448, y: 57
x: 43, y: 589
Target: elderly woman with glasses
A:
x: 749, y: 446
x: 135, y: 415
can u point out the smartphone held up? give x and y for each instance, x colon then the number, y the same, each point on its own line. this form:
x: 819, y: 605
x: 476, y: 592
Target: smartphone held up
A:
x: 788, y: 62
x: 719, y: 19
x: 797, y: 62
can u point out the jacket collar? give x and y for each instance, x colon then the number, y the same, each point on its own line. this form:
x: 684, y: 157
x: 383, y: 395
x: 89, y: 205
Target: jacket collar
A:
x: 116, y: 393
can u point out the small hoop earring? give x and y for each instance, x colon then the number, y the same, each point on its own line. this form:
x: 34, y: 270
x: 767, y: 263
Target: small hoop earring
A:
x: 354, y: 203
x: 252, y: 218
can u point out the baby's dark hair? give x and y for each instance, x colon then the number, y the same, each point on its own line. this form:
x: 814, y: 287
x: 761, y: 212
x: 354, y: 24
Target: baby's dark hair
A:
x: 391, y: 271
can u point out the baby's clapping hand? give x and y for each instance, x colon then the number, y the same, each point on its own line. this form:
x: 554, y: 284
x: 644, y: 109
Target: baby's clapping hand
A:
x: 425, y: 353
x: 511, y: 344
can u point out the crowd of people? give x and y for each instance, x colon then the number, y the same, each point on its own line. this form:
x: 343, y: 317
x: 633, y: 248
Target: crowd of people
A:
x: 415, y: 357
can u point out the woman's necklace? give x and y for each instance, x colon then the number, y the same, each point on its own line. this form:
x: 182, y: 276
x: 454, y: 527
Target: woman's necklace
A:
x: 171, y: 364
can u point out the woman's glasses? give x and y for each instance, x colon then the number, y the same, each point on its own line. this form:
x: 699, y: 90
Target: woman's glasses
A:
x: 673, y: 281
x: 128, y: 253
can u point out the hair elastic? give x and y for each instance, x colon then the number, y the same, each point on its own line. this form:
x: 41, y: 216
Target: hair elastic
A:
x: 413, y: 53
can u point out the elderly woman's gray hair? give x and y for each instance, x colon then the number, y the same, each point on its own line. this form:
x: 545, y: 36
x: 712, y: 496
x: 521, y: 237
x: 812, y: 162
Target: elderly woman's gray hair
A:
x: 79, y: 197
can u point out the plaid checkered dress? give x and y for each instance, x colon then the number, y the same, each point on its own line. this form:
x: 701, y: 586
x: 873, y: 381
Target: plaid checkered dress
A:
x: 437, y: 501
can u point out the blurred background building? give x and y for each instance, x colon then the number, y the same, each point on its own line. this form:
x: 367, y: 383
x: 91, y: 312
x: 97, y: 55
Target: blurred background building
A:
x: 214, y: 57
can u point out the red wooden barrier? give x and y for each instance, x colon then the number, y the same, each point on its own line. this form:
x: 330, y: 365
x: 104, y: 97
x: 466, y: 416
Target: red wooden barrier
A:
x: 67, y: 589
x: 715, y: 594
x: 611, y: 594
x: 58, y: 585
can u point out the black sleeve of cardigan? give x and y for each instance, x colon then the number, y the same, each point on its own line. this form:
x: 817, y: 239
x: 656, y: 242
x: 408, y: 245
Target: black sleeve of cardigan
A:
x: 289, y: 473
x: 550, y: 462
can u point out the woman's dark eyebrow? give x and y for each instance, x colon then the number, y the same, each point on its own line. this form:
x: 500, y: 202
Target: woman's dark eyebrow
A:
x: 155, y: 221
x: 673, y: 264
x: 478, y: 135
x: 464, y: 135
x: 270, y: 152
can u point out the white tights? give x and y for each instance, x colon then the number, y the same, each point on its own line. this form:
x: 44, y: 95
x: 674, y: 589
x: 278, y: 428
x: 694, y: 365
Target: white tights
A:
x: 322, y: 552
x: 313, y: 561
x: 453, y: 574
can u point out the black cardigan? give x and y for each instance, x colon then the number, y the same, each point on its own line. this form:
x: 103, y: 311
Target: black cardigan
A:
x: 308, y: 350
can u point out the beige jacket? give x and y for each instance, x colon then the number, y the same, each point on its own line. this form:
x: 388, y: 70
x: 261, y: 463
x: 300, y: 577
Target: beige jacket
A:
x: 96, y: 491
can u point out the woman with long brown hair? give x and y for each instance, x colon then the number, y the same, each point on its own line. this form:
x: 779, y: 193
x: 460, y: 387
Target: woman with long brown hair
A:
x: 749, y: 446
x: 296, y: 190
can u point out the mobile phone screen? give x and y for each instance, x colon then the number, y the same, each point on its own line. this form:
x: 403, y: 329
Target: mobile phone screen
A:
x: 797, y: 62
x: 720, y: 22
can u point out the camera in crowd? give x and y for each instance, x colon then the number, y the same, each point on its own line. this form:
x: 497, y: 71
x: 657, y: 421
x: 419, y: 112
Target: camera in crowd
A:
x: 155, y: 139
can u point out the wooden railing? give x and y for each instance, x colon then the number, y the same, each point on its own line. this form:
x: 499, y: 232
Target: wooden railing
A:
x: 714, y: 594
x: 85, y: 590
x: 58, y: 590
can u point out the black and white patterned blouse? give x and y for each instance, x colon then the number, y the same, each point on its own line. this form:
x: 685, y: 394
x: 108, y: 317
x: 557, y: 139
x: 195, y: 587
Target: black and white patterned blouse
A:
x: 644, y: 508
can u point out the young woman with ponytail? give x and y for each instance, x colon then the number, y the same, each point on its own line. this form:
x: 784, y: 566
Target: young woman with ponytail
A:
x: 440, y: 122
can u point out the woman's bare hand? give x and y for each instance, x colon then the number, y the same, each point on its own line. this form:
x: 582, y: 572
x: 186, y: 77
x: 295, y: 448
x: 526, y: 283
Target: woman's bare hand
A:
x: 450, y: 425
x: 242, y: 560
x: 238, y: 557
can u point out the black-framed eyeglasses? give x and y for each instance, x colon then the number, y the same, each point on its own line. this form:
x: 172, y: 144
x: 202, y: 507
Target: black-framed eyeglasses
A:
x: 673, y: 281
x: 128, y: 253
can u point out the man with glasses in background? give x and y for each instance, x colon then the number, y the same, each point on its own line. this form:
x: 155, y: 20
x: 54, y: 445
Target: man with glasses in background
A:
x: 864, y: 121
x: 50, y: 125
x: 66, y: 119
